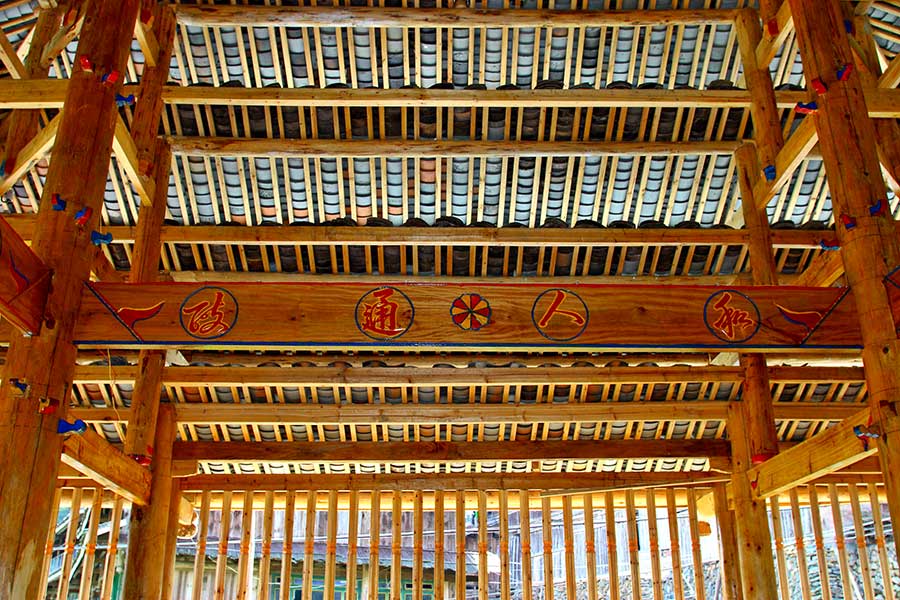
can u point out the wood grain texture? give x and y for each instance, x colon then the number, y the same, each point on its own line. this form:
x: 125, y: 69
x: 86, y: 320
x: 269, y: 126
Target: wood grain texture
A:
x: 24, y: 282
x: 406, y: 316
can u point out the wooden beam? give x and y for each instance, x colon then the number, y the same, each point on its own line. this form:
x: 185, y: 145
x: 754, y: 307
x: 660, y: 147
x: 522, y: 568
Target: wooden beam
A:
x: 823, y: 454
x: 771, y: 42
x: 382, y: 313
x: 127, y: 153
x: 415, y: 452
x: 94, y: 457
x: 794, y: 152
x: 435, y: 482
x: 825, y: 270
x: 33, y: 151
x: 390, y: 414
x: 307, y: 148
x: 23, y: 293
x: 146, y: 38
x: 891, y: 76
x: 29, y: 443
x: 361, y: 16
x: 11, y: 60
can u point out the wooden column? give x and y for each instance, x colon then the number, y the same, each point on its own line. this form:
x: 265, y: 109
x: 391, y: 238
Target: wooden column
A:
x: 870, y: 247
x: 144, y: 572
x: 29, y: 443
x: 728, y: 546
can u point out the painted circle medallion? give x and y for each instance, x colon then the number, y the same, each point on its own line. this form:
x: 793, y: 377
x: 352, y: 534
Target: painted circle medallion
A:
x: 731, y: 316
x: 470, y: 312
x: 208, y: 313
x: 560, y: 315
x: 384, y: 313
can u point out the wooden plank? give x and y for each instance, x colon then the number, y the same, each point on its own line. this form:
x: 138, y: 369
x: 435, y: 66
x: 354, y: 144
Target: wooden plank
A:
x: 331, y: 544
x: 412, y: 316
x: 202, y: 533
x: 112, y: 550
x: 93, y: 456
x: 652, y: 529
x: 245, y: 558
x: 24, y: 287
x: 822, y: 454
x: 770, y: 43
x: 400, y: 452
x: 228, y: 147
x: 883, y: 559
x: 127, y: 152
x: 825, y: 270
x: 795, y: 150
x: 459, y: 515
x: 361, y: 16
x: 503, y: 516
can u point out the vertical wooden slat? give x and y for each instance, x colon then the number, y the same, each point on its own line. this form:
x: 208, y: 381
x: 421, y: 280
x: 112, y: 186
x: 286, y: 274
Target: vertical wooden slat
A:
x: 62, y: 592
x: 222, y: 557
x: 352, y: 544
x: 396, y: 546
x: 861, y: 551
x: 778, y: 539
x: 503, y: 501
x: 460, y: 515
x: 265, y: 558
x: 51, y: 538
x: 846, y: 582
x: 590, y: 547
x: 309, y: 547
x: 569, y: 546
x: 245, y: 555
x: 200, y: 557
x: 652, y: 526
x: 482, y: 546
x: 802, y: 565
x: 883, y: 560
x: 331, y: 543
x: 547, y: 534
x: 821, y: 559
x: 418, y: 534
x: 633, y: 560
x: 611, y: 549
x: 374, y: 543
x: 287, y: 547
x: 699, y: 584
x: 525, y: 532
x: 90, y: 546
x: 677, y: 580
x: 438, y: 545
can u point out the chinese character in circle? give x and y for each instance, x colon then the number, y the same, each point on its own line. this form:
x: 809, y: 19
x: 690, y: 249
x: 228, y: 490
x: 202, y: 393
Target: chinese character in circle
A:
x: 554, y: 309
x: 380, y: 317
x: 207, y: 318
x: 730, y: 318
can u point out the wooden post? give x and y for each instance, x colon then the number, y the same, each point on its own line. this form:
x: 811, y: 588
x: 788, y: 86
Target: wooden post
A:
x: 149, y: 524
x: 173, y: 524
x: 29, y: 443
x: 869, y: 245
x: 729, y: 552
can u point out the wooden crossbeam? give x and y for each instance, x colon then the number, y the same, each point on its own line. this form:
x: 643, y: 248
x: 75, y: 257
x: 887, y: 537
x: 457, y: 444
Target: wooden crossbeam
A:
x: 424, y: 452
x: 36, y: 93
x: 306, y: 148
x: 795, y: 150
x: 822, y: 454
x: 410, y: 377
x: 770, y: 44
x: 437, y: 482
x: 824, y: 270
x: 361, y: 16
x: 390, y: 414
x: 146, y: 38
x: 23, y: 293
x: 891, y: 76
x: 498, y: 314
x: 34, y: 150
x: 94, y: 457
x: 127, y: 153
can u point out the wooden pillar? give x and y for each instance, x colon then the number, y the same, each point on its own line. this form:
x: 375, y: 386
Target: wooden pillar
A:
x: 869, y: 247
x: 29, y: 443
x: 173, y: 526
x: 728, y: 546
x: 149, y: 527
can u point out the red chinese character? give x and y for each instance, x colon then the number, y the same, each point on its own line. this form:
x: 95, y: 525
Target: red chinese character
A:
x: 207, y: 318
x: 554, y: 309
x: 380, y: 317
x: 731, y: 318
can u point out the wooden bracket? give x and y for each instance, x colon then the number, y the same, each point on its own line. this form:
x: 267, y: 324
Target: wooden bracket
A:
x: 774, y: 39
x: 795, y: 150
x: 127, y: 153
x: 34, y: 150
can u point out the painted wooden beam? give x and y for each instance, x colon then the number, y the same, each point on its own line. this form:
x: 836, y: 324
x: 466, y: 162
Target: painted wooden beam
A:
x: 24, y: 284
x: 300, y: 148
x: 391, y: 414
x: 93, y: 456
x: 416, y: 452
x: 361, y: 16
x: 774, y: 35
x: 465, y: 315
x: 823, y: 454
